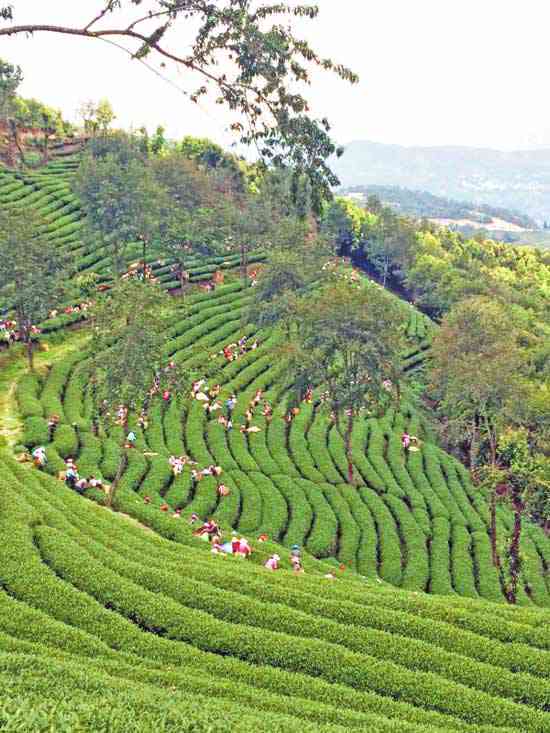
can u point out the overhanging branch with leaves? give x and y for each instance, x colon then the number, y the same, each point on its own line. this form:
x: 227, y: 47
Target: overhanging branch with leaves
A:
x: 243, y: 51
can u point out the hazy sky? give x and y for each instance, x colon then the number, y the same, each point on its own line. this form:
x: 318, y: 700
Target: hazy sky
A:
x: 432, y: 72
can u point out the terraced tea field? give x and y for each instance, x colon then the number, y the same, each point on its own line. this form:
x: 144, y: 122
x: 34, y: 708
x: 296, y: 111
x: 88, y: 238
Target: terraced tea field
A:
x: 82, y: 590
x: 125, y: 621
x: 414, y: 520
x: 48, y: 192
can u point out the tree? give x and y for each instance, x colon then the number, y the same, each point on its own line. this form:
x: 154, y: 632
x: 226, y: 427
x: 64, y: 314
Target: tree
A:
x: 521, y: 480
x: 349, y: 342
x: 159, y: 143
x: 122, y: 204
x: 51, y: 123
x: 10, y: 78
x: 96, y: 117
x: 195, y: 218
x: 188, y: 186
x: 124, y: 147
x: 104, y: 115
x: 526, y: 476
x: 211, y: 157
x: 343, y: 223
x: 388, y: 242
x: 476, y: 371
x: 264, y: 66
x: 199, y: 217
x: 201, y: 231
x: 32, y: 273
x: 88, y: 112
x: 250, y: 226
x: 130, y: 327
x: 286, y: 277
x: 260, y: 223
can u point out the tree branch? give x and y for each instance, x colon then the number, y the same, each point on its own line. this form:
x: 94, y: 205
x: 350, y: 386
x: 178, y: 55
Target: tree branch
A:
x: 127, y: 33
x: 84, y: 32
x: 98, y: 17
x: 147, y: 17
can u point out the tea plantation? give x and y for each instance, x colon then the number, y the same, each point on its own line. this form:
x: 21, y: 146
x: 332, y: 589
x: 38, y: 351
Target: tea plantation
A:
x: 125, y: 621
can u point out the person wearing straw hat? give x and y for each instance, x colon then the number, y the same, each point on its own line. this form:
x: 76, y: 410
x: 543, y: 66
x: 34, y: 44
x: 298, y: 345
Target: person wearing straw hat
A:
x: 272, y: 563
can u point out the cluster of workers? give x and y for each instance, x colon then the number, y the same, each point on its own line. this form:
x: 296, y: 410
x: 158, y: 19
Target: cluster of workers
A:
x: 409, y: 442
x: 70, y: 309
x: 240, y: 547
x: 139, y: 272
x: 210, y: 531
x: 11, y: 334
x: 233, y: 351
x: 211, y: 404
x: 70, y: 475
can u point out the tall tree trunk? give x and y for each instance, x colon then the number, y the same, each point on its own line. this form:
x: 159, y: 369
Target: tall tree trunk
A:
x: 493, y: 447
x: 116, y: 261
x: 244, y: 269
x: 15, y: 137
x: 46, y: 147
x: 349, y: 457
x: 473, y: 445
x: 494, y: 550
x: 30, y: 352
x: 515, y: 561
x: 120, y: 470
x: 493, y: 529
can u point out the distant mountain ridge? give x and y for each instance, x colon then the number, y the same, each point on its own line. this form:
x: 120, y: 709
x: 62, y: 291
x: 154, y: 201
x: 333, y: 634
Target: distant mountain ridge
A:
x: 517, y: 180
x: 460, y: 214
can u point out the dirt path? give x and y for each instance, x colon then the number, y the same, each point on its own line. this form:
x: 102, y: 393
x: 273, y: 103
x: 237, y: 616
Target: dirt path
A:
x: 10, y: 423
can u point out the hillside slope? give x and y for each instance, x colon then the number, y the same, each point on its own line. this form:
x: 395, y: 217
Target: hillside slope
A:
x: 48, y: 191
x: 415, y: 521
x: 82, y: 590
x: 421, y: 204
x: 125, y: 621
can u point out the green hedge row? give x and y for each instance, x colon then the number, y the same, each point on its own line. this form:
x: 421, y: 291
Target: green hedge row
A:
x: 169, y: 618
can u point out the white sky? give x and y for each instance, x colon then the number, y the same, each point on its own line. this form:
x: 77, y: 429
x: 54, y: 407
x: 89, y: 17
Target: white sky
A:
x: 432, y: 72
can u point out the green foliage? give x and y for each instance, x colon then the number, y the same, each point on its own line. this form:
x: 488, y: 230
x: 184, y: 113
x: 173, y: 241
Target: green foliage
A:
x: 10, y: 78
x: 129, y: 333
x: 31, y: 273
x: 121, y: 200
x: 349, y: 339
x: 476, y: 369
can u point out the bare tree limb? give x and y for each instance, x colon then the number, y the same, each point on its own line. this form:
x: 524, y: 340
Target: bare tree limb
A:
x: 150, y: 16
x: 123, y: 32
x: 267, y: 62
x: 98, y: 17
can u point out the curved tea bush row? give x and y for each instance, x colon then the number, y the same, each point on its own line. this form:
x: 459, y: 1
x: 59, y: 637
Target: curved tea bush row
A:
x: 122, y: 610
x: 412, y: 519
